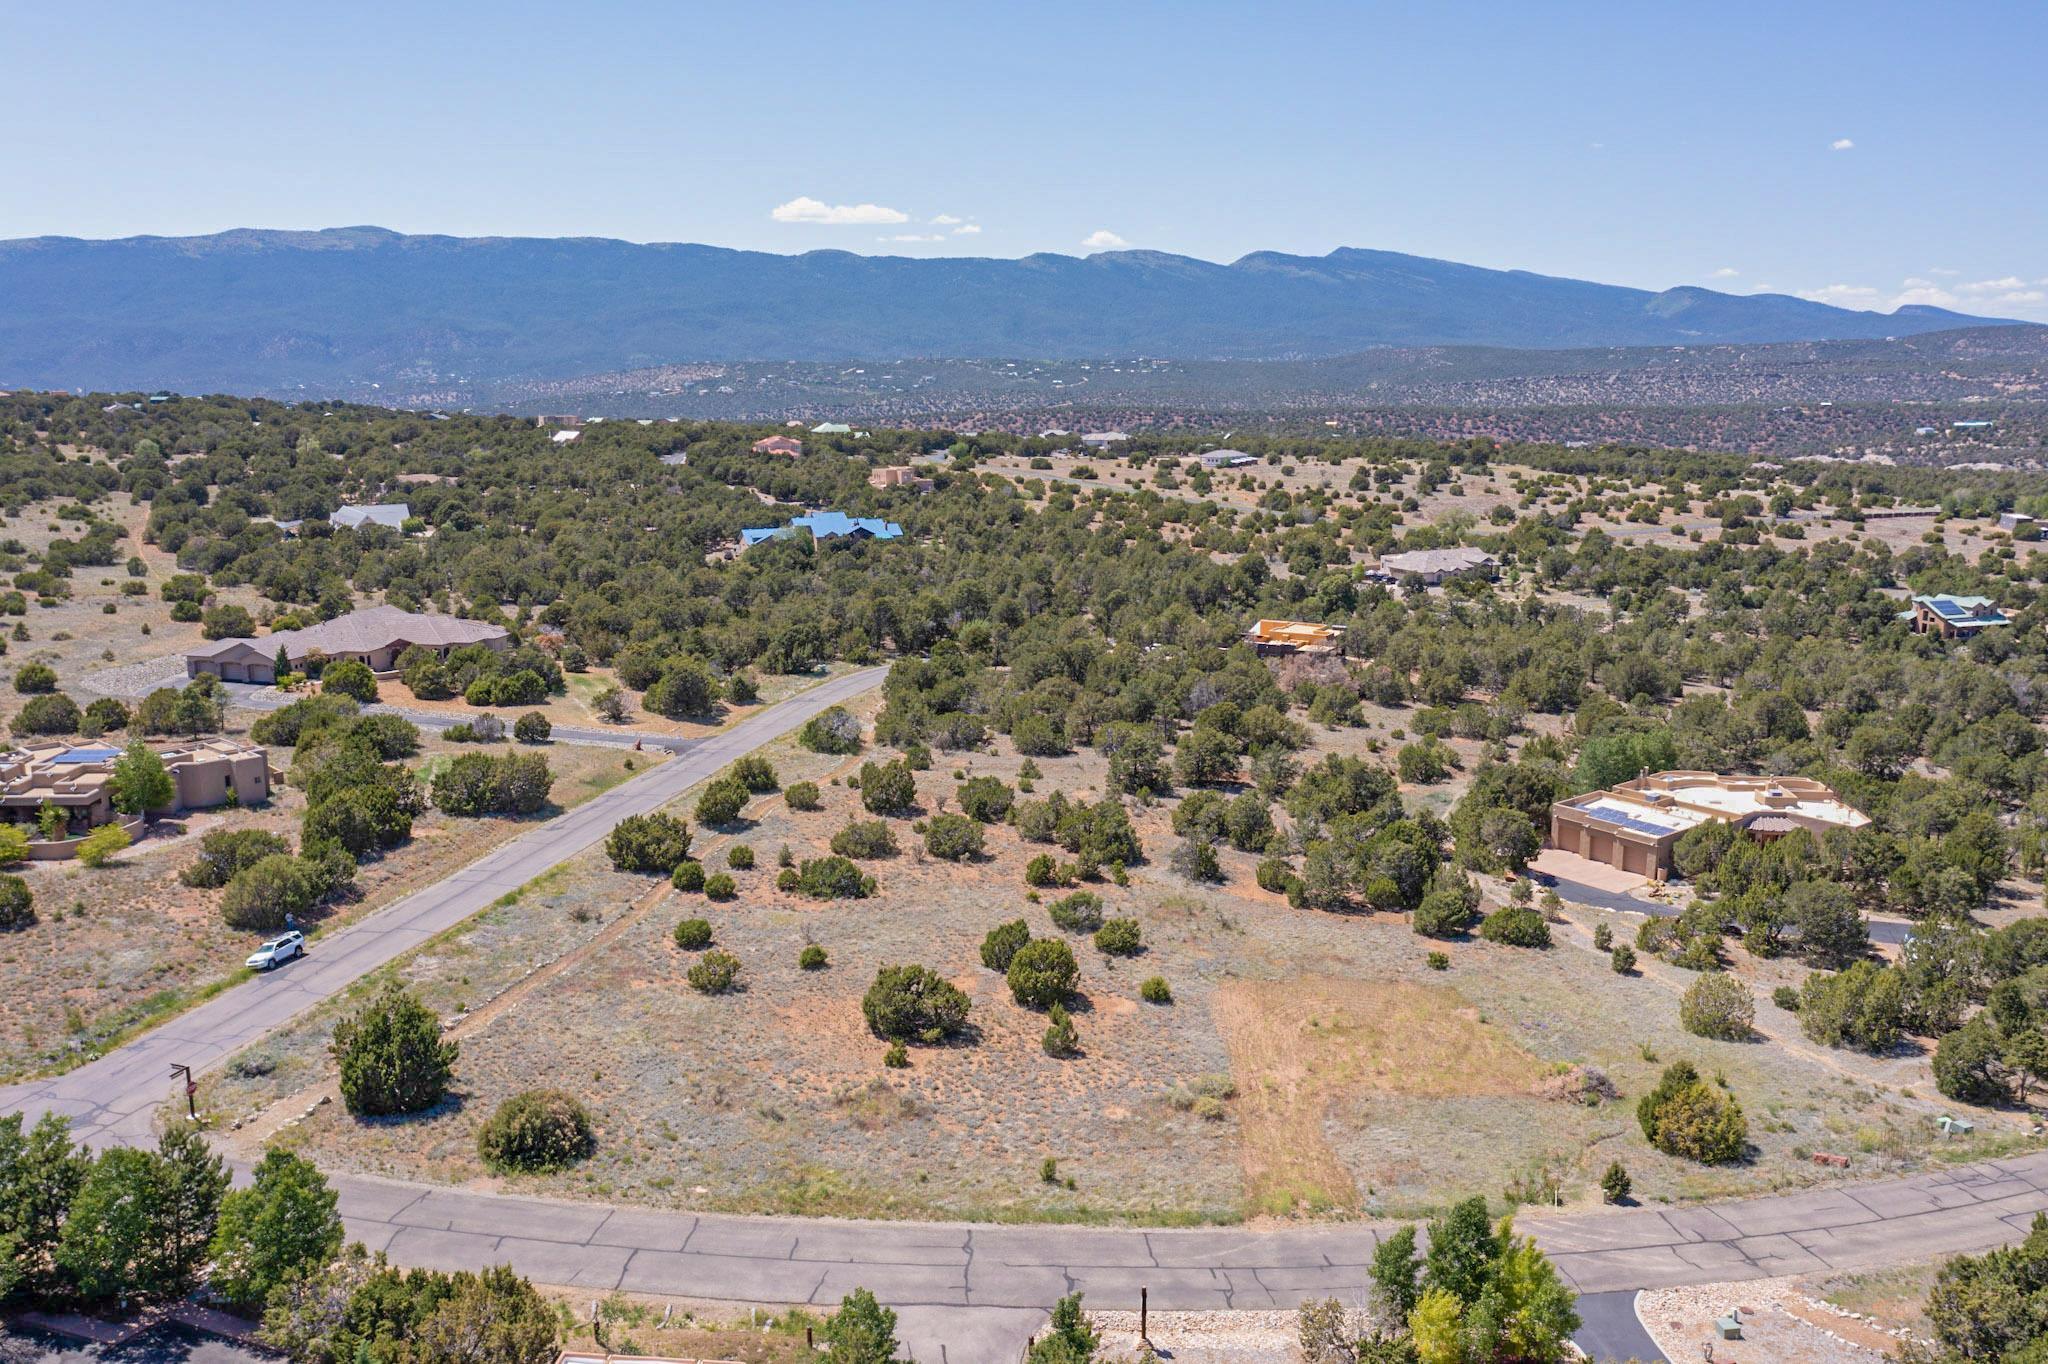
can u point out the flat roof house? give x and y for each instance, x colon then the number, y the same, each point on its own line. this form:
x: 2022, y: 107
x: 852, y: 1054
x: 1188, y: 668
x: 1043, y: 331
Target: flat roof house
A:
x: 1226, y: 459
x: 1634, y: 826
x: 1953, y: 617
x: 376, y: 636
x: 778, y: 445
x: 900, y: 476
x: 1435, y: 565
x: 1102, y: 440
x: 78, y: 779
x: 1285, y: 637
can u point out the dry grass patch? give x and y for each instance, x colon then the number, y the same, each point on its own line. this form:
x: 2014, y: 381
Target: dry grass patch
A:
x: 1295, y: 1045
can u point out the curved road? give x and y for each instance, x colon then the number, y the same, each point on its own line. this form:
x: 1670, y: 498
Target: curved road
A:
x: 114, y: 1098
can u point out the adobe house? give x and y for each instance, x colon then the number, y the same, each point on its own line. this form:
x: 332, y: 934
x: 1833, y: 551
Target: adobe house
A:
x: 79, y: 779
x: 1635, y: 826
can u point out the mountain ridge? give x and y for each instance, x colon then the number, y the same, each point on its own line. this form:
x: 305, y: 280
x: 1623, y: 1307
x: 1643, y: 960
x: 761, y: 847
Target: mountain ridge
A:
x: 270, y: 310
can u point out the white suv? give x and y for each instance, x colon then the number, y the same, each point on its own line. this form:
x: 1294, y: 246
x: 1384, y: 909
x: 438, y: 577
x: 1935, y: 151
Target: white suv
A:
x: 277, y: 951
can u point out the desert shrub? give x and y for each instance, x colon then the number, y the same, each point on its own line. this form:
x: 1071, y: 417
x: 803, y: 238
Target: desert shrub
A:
x: 1718, y: 1006
x: 719, y: 885
x: 227, y: 621
x: 865, y: 838
x: 17, y: 905
x: 1687, y: 1117
x: 1515, y: 926
x: 1248, y: 823
x: 802, y: 795
x: 888, y: 788
x: 1603, y: 938
x: 362, y: 819
x: 688, y: 875
x: 475, y: 784
x: 812, y: 958
x: 953, y: 837
x: 721, y: 802
x: 533, y: 728
x: 1042, y: 973
x: 534, y: 1132
x: 389, y: 736
x: 263, y: 894
x: 392, y: 1056
x: 833, y: 878
x: 1060, y: 1037
x: 648, y: 843
x: 307, y: 715
x: 1119, y: 938
x: 788, y: 880
x: 740, y: 857
x: 914, y: 1004
x: 693, y: 935
x: 1045, y: 870
x: 107, y: 715
x: 1002, y: 943
x: 1786, y: 998
x: 1863, y: 1007
x: 352, y: 678
x: 755, y: 773
x: 1080, y: 912
x: 35, y: 679
x: 1155, y: 990
x: 987, y: 799
x: 1195, y: 860
x: 97, y: 848
x: 1700, y: 952
x: 1447, y: 906
x: 52, y: 714
x: 1968, y: 1064
x: 1622, y: 959
x: 1273, y: 875
x: 1425, y: 762
x: 832, y: 730
x: 714, y: 973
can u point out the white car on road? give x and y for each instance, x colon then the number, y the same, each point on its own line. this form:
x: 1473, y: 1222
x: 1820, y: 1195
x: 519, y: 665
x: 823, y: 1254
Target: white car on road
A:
x: 277, y: 951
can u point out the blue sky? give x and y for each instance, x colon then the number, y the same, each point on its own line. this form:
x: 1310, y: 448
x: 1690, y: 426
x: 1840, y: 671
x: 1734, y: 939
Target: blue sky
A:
x: 1866, y: 154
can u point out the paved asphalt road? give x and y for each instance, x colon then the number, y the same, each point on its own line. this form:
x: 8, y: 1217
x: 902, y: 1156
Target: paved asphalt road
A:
x: 1881, y: 930
x: 971, y: 1294
x: 115, y: 1097
x: 1611, y: 1331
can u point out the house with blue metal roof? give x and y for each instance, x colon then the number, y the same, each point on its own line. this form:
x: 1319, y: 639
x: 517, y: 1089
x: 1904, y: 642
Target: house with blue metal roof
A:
x: 1953, y: 617
x: 825, y: 525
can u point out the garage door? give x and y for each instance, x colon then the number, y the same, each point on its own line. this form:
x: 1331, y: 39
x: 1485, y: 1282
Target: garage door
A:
x: 233, y: 672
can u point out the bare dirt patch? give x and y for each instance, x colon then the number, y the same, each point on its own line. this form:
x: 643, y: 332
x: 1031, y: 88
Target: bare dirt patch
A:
x: 1296, y: 1045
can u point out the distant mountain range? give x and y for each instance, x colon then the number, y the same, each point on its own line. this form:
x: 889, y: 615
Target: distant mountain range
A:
x: 336, y: 311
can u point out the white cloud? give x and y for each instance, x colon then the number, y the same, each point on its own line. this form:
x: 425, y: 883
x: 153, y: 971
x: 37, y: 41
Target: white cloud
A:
x: 1102, y: 239
x: 1844, y: 295
x: 1726, y: 272
x: 946, y: 219
x: 967, y: 229
x: 804, y: 209
x: 914, y: 237
x: 2007, y: 294
x: 1841, y: 144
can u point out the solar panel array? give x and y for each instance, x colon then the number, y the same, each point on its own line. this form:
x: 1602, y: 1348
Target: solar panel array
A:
x: 1621, y: 818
